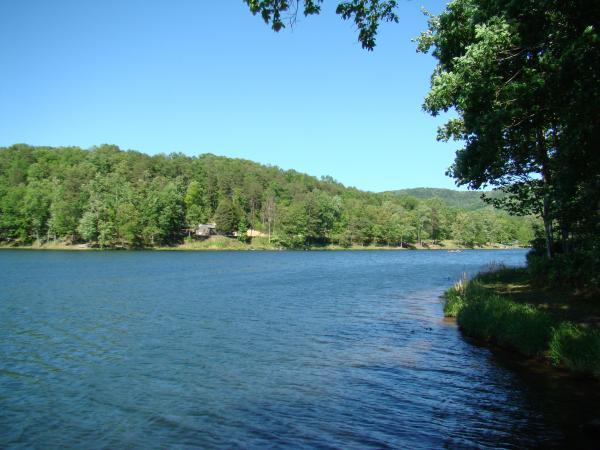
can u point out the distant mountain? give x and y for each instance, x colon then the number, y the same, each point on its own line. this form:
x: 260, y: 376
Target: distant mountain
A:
x: 470, y: 200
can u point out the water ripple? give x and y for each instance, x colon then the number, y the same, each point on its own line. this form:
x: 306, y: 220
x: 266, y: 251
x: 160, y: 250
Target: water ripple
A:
x: 243, y: 350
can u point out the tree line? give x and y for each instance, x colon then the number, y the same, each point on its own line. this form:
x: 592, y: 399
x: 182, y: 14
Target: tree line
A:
x: 523, y: 80
x: 107, y: 197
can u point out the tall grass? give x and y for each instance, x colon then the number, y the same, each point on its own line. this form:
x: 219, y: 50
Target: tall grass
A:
x: 507, y: 323
x: 455, y: 297
x: 482, y: 313
x: 577, y: 348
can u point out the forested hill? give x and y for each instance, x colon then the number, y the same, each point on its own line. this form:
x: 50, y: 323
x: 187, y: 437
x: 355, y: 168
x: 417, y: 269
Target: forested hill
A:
x: 112, y: 198
x: 470, y: 200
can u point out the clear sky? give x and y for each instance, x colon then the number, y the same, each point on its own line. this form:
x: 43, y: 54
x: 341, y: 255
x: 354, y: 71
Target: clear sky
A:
x: 208, y: 77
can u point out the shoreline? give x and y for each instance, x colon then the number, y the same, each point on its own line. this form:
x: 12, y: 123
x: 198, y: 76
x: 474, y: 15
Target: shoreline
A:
x: 216, y: 249
x: 228, y: 244
x: 555, y: 331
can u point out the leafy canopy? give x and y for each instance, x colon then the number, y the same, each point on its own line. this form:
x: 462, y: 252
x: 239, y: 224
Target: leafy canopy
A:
x: 366, y: 14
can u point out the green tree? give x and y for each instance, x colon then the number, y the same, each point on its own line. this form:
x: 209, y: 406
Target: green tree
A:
x: 13, y: 221
x: 521, y: 76
x: 64, y: 212
x: 242, y: 230
x: 226, y: 217
x: 127, y: 225
x: 269, y: 212
x: 194, y: 204
x: 171, y: 220
x: 463, y: 230
x: 293, y: 226
x: 321, y: 212
x: 436, y: 219
x: 402, y: 228
x: 422, y: 216
x: 88, y: 225
x: 36, y: 206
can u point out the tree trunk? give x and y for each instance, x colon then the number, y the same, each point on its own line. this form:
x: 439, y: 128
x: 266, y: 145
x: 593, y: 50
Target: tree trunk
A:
x: 547, y: 227
x: 546, y: 179
x: 564, y: 234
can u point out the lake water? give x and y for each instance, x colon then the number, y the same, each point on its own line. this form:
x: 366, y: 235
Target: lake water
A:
x: 259, y: 349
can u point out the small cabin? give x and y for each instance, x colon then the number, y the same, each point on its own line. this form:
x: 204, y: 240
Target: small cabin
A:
x: 203, y: 230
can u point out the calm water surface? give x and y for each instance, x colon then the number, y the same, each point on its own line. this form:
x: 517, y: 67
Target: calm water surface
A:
x: 235, y: 350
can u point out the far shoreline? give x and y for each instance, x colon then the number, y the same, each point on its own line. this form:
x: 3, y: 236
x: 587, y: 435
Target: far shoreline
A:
x: 229, y: 244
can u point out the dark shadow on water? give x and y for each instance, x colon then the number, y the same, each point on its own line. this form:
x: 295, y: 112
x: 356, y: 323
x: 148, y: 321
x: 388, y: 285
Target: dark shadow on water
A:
x: 570, y: 403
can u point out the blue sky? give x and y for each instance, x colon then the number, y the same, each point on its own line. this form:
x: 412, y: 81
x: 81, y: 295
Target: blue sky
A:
x: 207, y: 77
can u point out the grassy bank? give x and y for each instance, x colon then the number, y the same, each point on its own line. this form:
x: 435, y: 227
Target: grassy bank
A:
x: 506, y: 308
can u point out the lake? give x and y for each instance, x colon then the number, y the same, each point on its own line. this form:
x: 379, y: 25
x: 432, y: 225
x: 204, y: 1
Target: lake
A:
x: 260, y: 349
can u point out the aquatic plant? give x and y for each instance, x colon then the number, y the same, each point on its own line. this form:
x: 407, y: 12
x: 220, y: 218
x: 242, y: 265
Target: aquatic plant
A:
x: 454, y: 297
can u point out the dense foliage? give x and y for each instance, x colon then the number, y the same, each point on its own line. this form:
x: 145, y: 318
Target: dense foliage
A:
x: 524, y: 80
x: 366, y: 14
x: 113, y: 198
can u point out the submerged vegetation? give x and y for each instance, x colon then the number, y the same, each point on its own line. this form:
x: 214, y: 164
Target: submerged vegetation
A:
x: 108, y: 198
x: 509, y: 308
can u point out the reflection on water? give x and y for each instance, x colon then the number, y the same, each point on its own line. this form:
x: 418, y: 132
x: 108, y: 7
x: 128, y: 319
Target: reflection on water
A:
x: 318, y: 349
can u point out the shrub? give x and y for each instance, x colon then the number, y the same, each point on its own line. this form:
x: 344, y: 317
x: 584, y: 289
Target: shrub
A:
x: 576, y: 348
x: 580, y: 268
